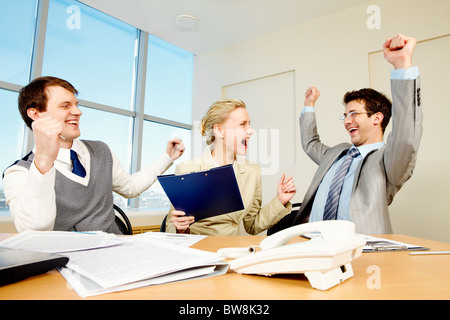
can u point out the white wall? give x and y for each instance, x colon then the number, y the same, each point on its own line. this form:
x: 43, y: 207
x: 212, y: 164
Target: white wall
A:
x: 331, y: 53
x: 423, y: 200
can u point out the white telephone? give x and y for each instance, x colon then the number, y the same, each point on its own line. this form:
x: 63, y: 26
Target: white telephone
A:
x: 325, y: 260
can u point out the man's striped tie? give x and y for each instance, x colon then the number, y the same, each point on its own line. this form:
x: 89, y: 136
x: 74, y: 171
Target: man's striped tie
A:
x: 332, y: 203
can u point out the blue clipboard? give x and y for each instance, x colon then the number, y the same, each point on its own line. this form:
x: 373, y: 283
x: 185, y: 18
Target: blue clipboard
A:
x: 204, y: 194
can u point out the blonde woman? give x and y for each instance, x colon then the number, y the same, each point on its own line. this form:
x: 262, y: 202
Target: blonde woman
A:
x: 227, y: 129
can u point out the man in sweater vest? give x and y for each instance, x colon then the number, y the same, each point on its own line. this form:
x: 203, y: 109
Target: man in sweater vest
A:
x: 66, y: 184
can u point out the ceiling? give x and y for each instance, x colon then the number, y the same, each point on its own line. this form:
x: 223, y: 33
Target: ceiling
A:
x: 220, y: 23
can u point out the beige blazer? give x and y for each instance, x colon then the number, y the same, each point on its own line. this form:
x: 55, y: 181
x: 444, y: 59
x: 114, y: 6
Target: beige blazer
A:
x: 255, y: 218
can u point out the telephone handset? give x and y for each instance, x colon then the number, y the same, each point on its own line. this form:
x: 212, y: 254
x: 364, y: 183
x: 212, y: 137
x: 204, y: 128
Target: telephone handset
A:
x: 325, y: 260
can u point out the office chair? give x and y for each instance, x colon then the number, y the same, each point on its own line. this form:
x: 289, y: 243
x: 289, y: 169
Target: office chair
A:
x: 123, y: 222
x: 286, y: 221
x: 163, y: 225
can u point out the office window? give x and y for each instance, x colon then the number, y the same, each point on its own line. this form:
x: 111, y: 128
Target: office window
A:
x: 91, y: 50
x: 154, y: 144
x: 17, y: 25
x: 168, y: 92
x: 98, y: 54
x: 168, y: 96
x: 11, y: 126
x: 112, y: 129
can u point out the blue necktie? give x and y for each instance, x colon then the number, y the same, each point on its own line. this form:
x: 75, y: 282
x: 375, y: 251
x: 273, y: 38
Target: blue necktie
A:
x: 330, y: 211
x: 78, y: 168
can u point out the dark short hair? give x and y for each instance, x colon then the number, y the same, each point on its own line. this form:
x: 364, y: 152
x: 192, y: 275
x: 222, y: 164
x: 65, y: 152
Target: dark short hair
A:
x: 374, y: 102
x: 34, y: 95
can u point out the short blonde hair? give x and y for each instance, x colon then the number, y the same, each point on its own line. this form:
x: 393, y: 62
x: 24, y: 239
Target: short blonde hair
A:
x: 217, y: 114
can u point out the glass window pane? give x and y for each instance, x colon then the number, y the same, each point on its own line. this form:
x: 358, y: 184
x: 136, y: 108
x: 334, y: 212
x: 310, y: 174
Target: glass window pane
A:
x: 91, y: 50
x: 155, y: 138
x: 168, y: 92
x: 112, y: 129
x: 17, y: 24
x: 11, y: 131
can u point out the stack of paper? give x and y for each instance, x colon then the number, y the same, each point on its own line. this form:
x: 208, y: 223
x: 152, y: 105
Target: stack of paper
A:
x: 376, y: 244
x: 101, y: 263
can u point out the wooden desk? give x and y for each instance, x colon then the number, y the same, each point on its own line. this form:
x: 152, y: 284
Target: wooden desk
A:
x: 401, y: 276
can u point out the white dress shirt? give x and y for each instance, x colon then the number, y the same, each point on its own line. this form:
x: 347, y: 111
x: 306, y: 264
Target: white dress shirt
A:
x: 31, y: 195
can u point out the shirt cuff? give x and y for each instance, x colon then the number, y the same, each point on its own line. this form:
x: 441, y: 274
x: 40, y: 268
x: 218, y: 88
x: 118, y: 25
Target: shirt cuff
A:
x: 165, y: 160
x: 405, y: 74
x: 41, y: 177
x: 307, y: 109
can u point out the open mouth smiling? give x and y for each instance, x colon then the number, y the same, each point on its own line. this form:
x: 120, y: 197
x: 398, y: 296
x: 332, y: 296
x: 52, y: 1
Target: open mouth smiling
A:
x: 352, y: 130
x: 72, y: 122
x: 245, y: 142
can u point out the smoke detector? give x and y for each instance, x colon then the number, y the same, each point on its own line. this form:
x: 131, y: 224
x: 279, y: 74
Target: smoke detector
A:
x: 185, y: 21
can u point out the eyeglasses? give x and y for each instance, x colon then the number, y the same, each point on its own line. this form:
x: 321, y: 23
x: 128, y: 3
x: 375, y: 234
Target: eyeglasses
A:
x: 351, y: 115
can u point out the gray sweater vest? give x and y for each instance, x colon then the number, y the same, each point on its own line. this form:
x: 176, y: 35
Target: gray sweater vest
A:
x: 85, y: 208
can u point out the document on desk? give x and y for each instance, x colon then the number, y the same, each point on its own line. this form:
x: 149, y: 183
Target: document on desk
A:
x: 184, y: 240
x: 204, y: 194
x: 138, y: 262
x: 101, y: 262
x: 60, y: 241
x: 375, y: 244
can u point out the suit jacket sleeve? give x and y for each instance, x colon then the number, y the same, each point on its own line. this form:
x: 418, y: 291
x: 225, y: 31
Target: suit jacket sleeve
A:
x: 403, y: 141
x: 310, y: 138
